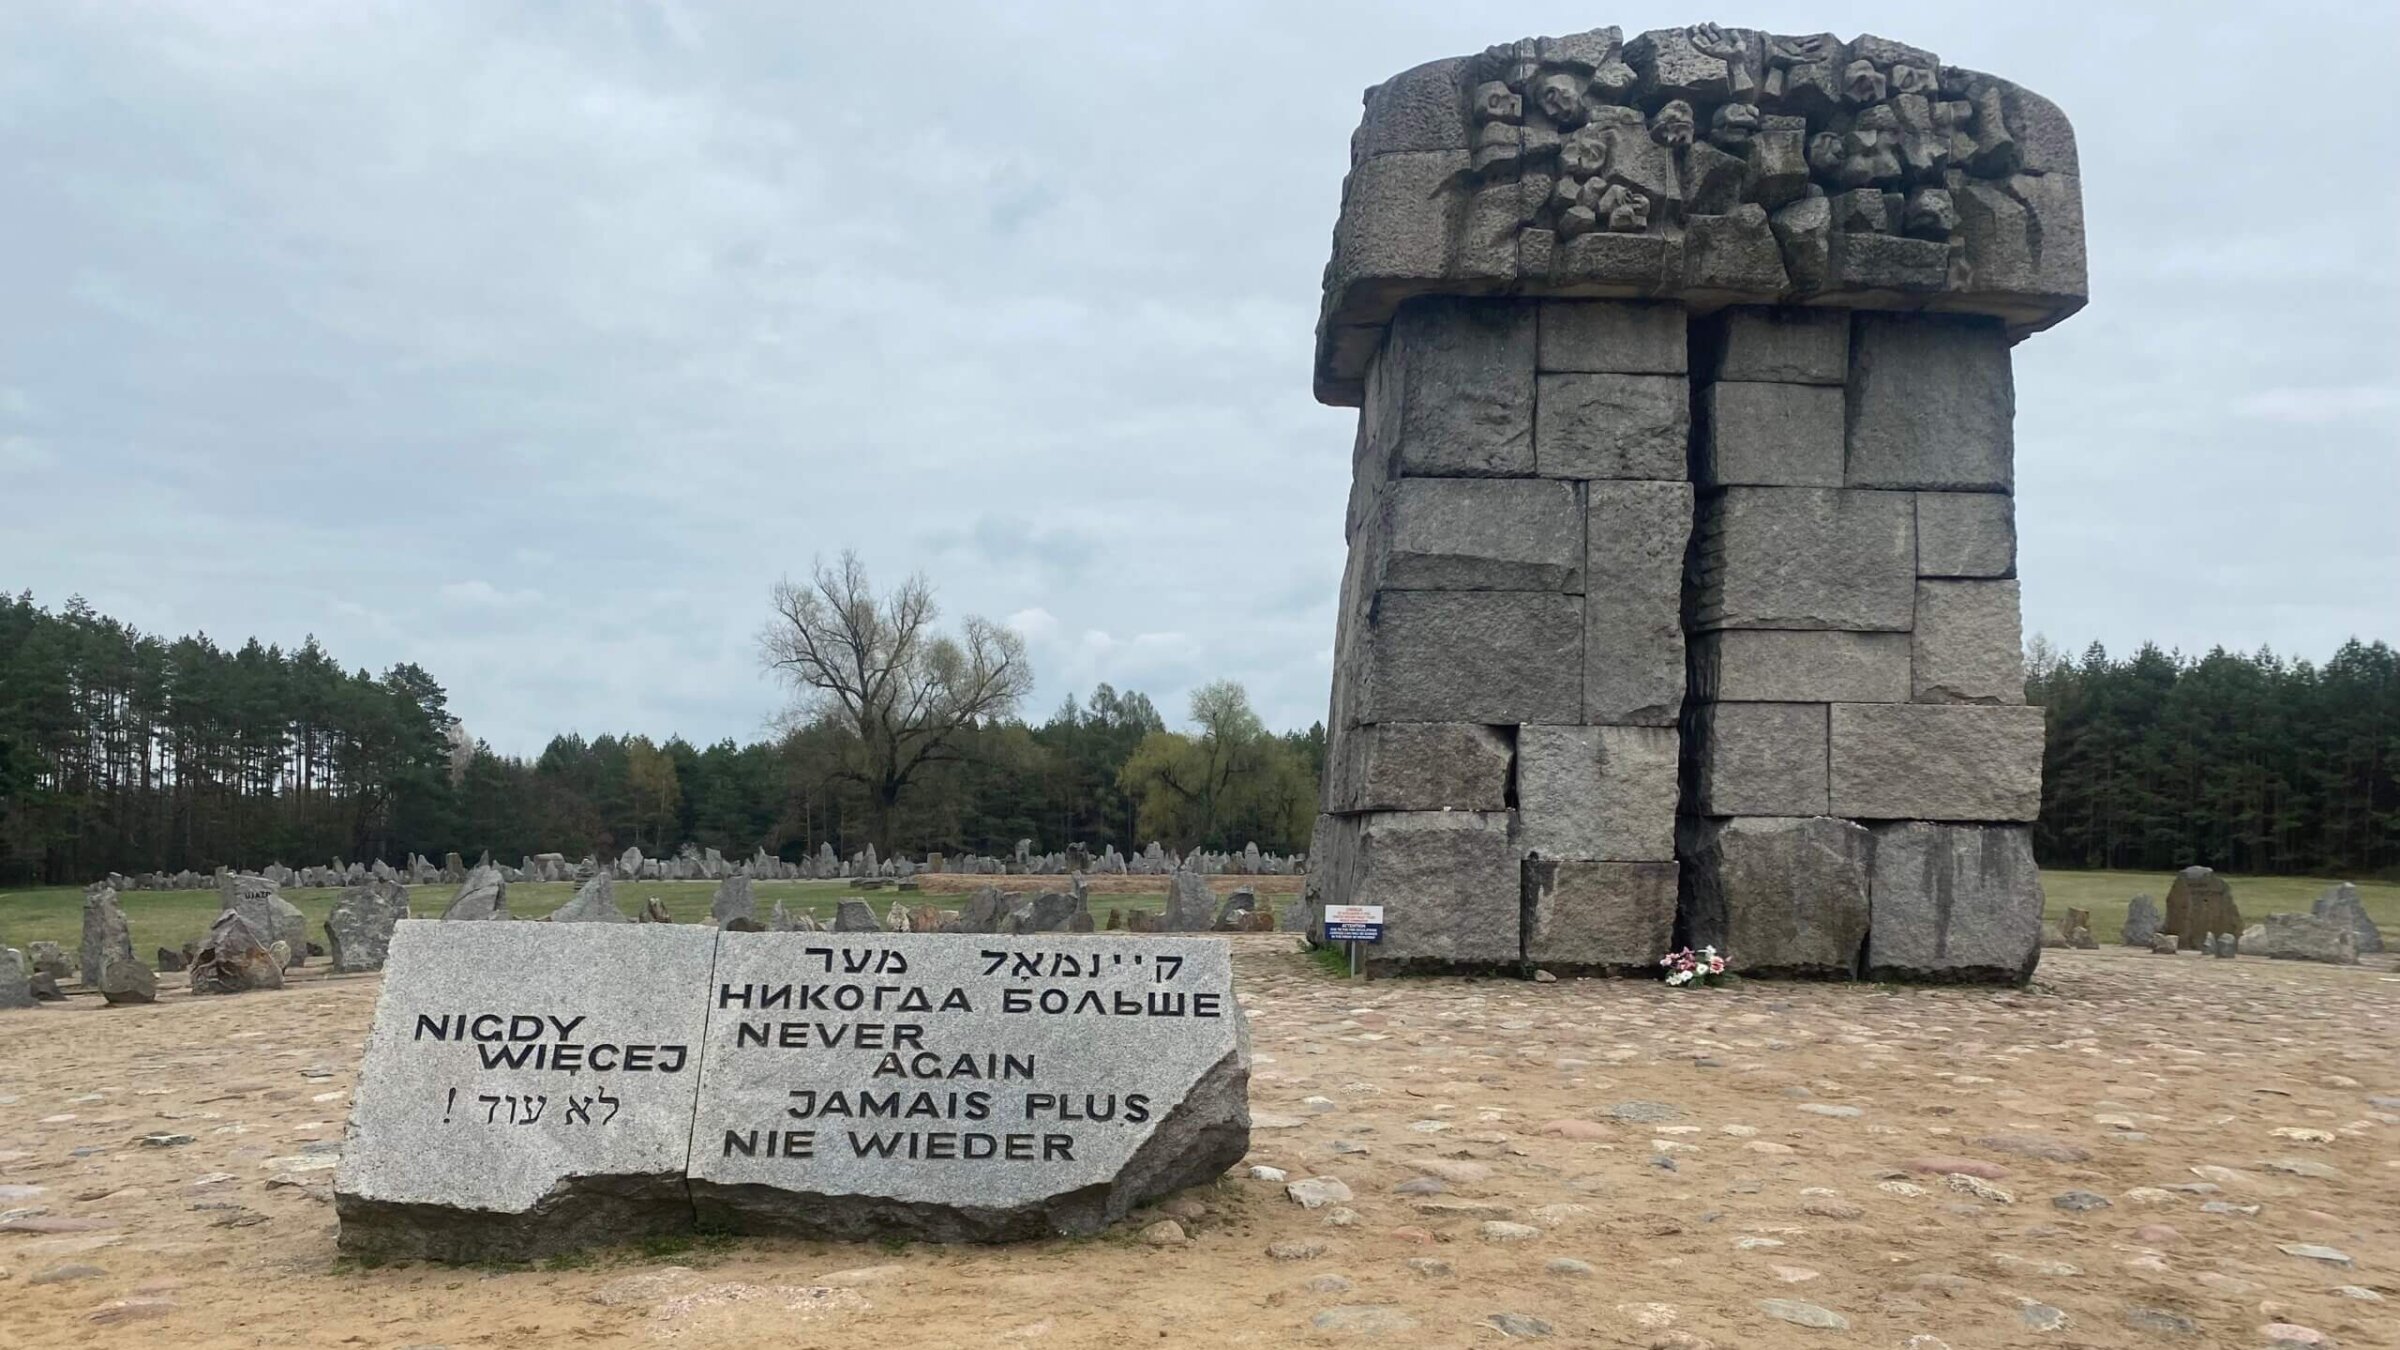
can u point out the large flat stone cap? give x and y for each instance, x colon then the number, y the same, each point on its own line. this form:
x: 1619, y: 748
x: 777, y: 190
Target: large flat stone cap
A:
x: 1710, y: 165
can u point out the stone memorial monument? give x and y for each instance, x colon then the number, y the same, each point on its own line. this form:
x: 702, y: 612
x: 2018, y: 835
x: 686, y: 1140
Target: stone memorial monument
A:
x: 1681, y: 602
x: 531, y: 1088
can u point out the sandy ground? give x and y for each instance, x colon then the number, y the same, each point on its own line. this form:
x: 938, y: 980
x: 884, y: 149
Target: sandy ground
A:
x: 1584, y: 1163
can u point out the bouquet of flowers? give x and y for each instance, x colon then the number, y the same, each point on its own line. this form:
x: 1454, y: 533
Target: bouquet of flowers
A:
x: 1704, y: 966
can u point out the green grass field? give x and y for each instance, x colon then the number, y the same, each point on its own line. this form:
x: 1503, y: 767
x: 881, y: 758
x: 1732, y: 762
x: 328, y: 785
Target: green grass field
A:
x: 169, y: 918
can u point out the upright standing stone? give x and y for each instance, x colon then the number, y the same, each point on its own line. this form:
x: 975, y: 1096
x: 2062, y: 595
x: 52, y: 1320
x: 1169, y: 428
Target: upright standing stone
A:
x: 1191, y: 905
x: 2199, y: 904
x: 853, y: 915
x: 2142, y: 919
x: 734, y: 900
x: 483, y: 895
x: 595, y: 902
x: 527, y: 1089
x: 106, y: 937
x: 16, y: 980
x: 358, y: 930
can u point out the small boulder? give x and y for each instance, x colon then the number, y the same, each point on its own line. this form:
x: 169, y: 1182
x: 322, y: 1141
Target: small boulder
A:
x: 232, y: 960
x: 483, y: 895
x: 853, y: 915
x: 128, y: 981
x: 16, y: 980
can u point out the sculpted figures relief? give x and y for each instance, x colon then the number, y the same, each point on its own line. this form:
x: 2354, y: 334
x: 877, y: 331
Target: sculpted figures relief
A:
x: 1715, y: 165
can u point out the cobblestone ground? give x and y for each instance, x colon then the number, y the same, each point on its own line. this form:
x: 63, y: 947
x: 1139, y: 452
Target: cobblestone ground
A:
x: 2141, y: 1149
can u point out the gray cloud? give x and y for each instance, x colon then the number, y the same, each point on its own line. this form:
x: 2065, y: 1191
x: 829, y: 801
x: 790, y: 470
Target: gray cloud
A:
x: 533, y: 342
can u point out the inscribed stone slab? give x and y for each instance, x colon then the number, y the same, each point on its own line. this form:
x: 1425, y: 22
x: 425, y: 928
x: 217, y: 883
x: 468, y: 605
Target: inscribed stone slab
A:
x: 527, y: 1088
x: 960, y: 1088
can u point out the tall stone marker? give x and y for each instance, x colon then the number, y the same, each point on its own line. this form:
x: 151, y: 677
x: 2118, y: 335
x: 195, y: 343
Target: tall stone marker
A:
x: 1681, y: 528
x: 530, y: 1088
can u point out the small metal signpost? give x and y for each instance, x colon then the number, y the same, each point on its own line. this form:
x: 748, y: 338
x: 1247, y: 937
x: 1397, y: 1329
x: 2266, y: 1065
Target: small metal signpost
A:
x: 1354, y: 924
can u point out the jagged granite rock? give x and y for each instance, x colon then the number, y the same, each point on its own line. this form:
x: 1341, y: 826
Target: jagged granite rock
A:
x: 173, y: 961
x: 1232, y: 914
x: 128, y: 981
x: 291, y: 928
x: 2302, y: 937
x: 734, y: 900
x: 106, y: 937
x: 358, y: 930
x: 232, y: 959
x: 483, y: 895
x: 49, y: 959
x: 1058, y: 912
x: 2142, y: 918
x: 2340, y: 904
x: 595, y: 902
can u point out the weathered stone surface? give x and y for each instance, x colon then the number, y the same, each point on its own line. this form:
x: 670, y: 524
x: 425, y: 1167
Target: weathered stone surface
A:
x: 1612, y: 426
x: 1448, y: 880
x: 1191, y: 906
x: 1632, y: 659
x: 1955, y: 902
x: 1418, y: 766
x: 1759, y: 759
x: 563, y: 1121
x: 2142, y: 918
x: 2301, y: 937
x: 1757, y: 665
x: 1967, y: 647
x: 106, y: 937
x: 1919, y: 761
x: 1452, y: 392
x: 1114, y: 1107
x: 16, y: 980
x: 358, y: 929
x: 1654, y: 181
x: 853, y: 915
x: 1472, y: 656
x: 1787, y: 558
x: 1612, y: 337
x: 2340, y: 904
x: 1614, y: 916
x: 1479, y: 534
x: 1931, y: 403
x: 734, y: 899
x: 126, y: 980
x: 483, y: 895
x: 1604, y: 793
x: 1966, y: 534
x: 2199, y: 903
x: 595, y: 902
x: 232, y: 959
x: 1779, y: 344
x: 291, y: 928
x: 1778, y: 895
x: 1777, y: 435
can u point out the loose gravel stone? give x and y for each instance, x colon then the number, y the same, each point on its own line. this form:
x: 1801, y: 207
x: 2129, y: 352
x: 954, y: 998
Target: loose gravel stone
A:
x: 1500, y: 1230
x: 2079, y: 1202
x: 1803, y: 1314
x: 1517, y: 1326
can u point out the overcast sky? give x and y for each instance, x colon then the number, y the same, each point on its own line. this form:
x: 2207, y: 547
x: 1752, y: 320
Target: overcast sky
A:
x: 532, y: 343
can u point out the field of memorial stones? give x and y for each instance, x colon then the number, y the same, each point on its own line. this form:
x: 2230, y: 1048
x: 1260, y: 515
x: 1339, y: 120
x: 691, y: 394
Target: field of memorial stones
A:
x: 2139, y: 1149
x: 169, y: 918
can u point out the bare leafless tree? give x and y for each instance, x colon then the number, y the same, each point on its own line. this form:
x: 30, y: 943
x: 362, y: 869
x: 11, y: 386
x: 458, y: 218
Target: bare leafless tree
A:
x: 878, y: 667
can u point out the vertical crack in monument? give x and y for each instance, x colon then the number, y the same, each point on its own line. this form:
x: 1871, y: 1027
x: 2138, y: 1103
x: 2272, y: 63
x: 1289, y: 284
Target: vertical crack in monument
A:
x: 1681, y: 603
x: 530, y: 1088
